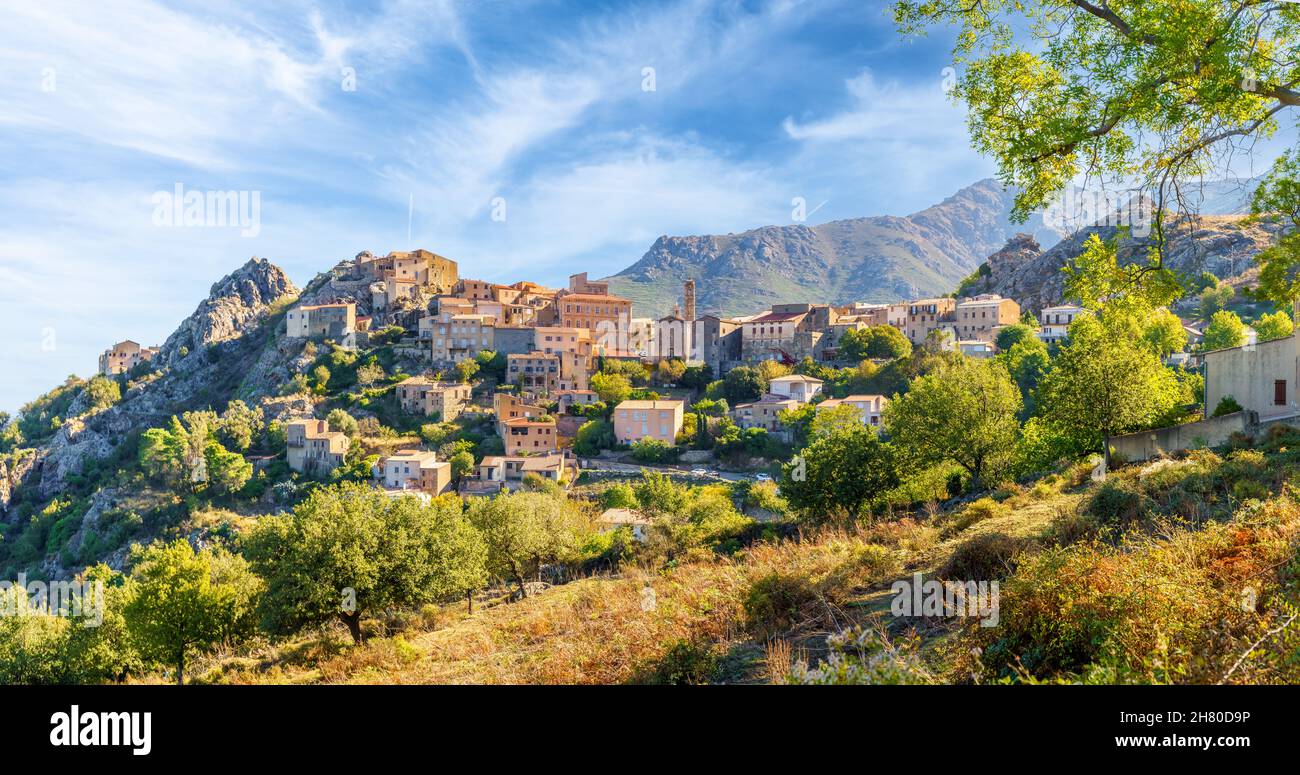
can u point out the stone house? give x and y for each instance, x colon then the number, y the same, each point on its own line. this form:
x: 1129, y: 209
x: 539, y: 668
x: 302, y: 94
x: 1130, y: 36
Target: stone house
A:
x: 312, y: 448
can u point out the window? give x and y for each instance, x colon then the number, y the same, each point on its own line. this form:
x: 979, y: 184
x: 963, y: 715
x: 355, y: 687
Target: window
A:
x: 1279, y: 392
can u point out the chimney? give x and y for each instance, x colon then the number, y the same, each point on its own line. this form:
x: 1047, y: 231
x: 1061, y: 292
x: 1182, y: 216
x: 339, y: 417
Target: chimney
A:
x: 688, y: 297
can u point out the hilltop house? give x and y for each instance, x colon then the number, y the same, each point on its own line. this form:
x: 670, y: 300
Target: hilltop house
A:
x: 124, y: 356
x: 323, y: 321
x: 497, y: 471
x: 869, y: 406
x: 981, y: 317
x: 1055, y: 322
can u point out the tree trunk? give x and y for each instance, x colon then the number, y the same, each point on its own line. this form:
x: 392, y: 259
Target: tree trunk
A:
x: 469, y: 600
x: 180, y: 669
x: 353, y: 621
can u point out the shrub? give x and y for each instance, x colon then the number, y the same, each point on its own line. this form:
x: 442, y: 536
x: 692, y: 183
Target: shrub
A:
x: 984, y: 557
x: 1117, y: 503
x: 976, y: 511
x: 1227, y: 405
x: 685, y: 663
x: 777, y: 603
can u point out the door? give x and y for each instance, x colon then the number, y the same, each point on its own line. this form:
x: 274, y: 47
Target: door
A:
x: 1279, y: 392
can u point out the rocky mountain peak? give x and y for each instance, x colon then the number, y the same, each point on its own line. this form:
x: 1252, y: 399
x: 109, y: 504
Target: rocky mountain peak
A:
x: 235, y: 302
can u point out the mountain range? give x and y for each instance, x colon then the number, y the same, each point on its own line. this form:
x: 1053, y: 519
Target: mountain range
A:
x: 873, y: 259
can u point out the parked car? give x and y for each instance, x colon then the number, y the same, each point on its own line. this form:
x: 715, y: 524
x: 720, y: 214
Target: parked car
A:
x: 701, y: 472
x: 762, y: 478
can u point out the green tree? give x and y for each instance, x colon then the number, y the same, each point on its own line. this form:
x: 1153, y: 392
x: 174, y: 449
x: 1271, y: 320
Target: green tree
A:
x: 177, y: 612
x: 965, y: 413
x: 1278, y: 197
x: 1273, y: 325
x: 227, y: 472
x: 1130, y: 89
x: 1014, y: 334
x: 524, y: 531
x: 873, y: 342
x: 349, y: 550
x: 1225, y: 330
x: 1215, y: 299
x: 1164, y: 333
x: 826, y: 422
x: 370, y: 373
x: 613, y: 389
x: 163, y: 453
x: 102, y: 392
x: 743, y: 383
x: 240, y: 426
x: 838, y: 477
x: 342, y: 422
x: 1027, y: 361
x: 462, y: 465
x: 465, y: 370
x: 1104, y: 383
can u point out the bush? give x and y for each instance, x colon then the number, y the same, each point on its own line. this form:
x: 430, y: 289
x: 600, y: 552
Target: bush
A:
x: 984, y: 557
x: 1118, y: 504
x: 777, y: 603
x: 685, y: 663
x: 1227, y: 405
x: 976, y: 511
x: 654, y: 451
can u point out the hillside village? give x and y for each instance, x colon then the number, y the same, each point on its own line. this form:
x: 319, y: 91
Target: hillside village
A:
x: 578, y: 447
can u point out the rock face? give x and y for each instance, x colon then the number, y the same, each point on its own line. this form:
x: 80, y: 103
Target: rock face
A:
x: 883, y: 258
x: 1224, y: 245
x: 236, y: 301
x: 213, y: 357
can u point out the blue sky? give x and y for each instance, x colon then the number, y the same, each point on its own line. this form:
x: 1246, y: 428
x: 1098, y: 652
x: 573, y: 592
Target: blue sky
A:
x: 456, y: 104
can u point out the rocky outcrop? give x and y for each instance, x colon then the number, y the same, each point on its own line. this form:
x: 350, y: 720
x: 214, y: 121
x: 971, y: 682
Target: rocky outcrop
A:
x: 1223, y: 245
x: 14, y: 471
x: 210, y: 359
x: 235, y: 303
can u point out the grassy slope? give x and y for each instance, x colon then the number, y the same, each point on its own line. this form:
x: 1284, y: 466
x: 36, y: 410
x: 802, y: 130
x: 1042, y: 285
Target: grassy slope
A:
x: 1144, y: 587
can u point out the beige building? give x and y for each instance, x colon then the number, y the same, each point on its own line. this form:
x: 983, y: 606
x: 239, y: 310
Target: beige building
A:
x: 795, y: 386
x: 322, y: 321
x: 608, y: 318
x: 124, y: 356
x: 660, y: 420
x: 424, y: 396
x: 509, y: 406
x: 497, y: 471
x: 771, y: 335
x: 525, y: 436
x: 925, y: 315
x: 312, y: 448
x: 461, y: 337
x: 536, y: 372
x: 870, y: 407
x: 413, y: 469
x: 1260, y: 377
x: 980, y: 317
x: 765, y: 413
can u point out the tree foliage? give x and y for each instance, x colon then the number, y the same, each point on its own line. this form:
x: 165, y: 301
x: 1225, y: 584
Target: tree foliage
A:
x: 350, y: 550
